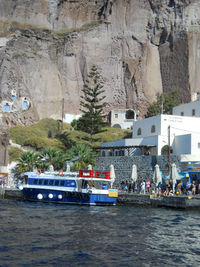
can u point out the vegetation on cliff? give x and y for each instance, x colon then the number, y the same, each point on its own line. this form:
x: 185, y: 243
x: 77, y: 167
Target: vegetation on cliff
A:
x: 49, y: 133
x: 164, y: 103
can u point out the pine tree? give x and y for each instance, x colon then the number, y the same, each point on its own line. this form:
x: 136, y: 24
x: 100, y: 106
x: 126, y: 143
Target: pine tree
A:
x: 92, y: 105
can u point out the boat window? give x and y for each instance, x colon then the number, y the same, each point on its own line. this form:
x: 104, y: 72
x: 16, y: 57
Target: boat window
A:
x: 51, y: 182
x: 26, y: 179
x: 62, y: 183
x: 35, y: 181
x: 56, y: 182
x: 46, y: 182
x: 40, y: 181
x: 70, y: 183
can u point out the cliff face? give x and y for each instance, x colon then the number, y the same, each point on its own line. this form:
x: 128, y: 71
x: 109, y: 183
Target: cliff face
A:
x: 141, y: 47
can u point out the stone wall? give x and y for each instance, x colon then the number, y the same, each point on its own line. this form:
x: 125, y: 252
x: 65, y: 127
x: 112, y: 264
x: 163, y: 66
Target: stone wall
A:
x: 145, y: 166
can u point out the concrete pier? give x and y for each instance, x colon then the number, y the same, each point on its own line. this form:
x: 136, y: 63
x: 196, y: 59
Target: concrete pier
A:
x: 182, y: 201
x: 124, y: 198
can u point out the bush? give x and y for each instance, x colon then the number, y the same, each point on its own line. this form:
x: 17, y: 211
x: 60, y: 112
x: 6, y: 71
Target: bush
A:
x: 19, y: 134
x: 14, y: 153
x: 40, y: 143
x: 111, y: 134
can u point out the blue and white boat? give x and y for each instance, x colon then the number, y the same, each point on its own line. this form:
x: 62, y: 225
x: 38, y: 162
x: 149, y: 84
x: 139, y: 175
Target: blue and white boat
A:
x: 86, y: 187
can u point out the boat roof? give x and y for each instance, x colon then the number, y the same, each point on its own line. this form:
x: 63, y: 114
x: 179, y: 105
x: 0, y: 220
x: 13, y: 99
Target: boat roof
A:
x: 66, y: 175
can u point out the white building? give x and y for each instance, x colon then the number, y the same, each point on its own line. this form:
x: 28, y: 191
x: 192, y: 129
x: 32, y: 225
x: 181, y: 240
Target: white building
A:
x: 189, y: 109
x: 182, y: 133
x: 68, y: 118
x: 122, y: 118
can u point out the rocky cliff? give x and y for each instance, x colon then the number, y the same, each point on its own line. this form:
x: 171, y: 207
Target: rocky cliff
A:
x: 141, y: 47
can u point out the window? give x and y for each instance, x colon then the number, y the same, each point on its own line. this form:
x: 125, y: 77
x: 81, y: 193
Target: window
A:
x: 116, y: 115
x: 51, y: 182
x: 6, y: 107
x: 46, y: 182
x: 182, y: 113
x: 198, y: 145
x: 35, y: 181
x: 62, y: 183
x: 193, y: 112
x: 153, y: 129
x: 139, y: 131
x: 25, y: 105
x: 40, y: 182
x: 56, y: 182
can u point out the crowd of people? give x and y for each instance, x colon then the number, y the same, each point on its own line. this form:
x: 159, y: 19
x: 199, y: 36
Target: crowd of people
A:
x: 166, y: 188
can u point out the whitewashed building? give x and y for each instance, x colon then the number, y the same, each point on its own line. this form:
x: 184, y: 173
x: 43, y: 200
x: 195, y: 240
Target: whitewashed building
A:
x: 182, y: 133
x: 68, y: 118
x: 189, y: 109
x: 122, y: 118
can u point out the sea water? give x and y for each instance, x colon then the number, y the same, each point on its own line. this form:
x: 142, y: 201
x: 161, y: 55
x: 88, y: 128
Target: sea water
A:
x: 38, y: 234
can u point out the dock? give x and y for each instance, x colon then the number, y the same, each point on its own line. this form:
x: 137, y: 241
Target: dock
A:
x: 133, y: 199
x: 176, y: 201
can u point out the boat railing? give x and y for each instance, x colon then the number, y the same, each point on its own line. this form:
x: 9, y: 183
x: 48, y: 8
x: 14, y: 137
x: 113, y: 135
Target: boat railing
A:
x: 94, y: 174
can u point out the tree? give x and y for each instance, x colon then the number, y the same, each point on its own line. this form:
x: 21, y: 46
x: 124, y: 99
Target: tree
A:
x: 164, y: 103
x: 82, y: 156
x: 28, y: 161
x: 92, y: 105
x: 54, y: 157
x: 65, y: 138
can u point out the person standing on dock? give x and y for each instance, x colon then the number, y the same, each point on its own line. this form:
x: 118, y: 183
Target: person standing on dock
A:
x: 143, y: 187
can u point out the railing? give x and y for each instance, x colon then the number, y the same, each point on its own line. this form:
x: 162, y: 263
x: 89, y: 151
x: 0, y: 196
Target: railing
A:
x: 94, y: 174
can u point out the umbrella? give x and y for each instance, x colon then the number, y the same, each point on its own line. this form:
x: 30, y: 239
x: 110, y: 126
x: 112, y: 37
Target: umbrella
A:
x: 90, y: 167
x: 68, y: 168
x: 174, y: 173
x: 134, y: 173
x: 112, y: 174
x: 156, y: 175
x: 51, y: 168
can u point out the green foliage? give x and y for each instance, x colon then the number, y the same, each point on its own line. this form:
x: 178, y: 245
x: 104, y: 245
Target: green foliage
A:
x: 54, y: 157
x: 74, y: 124
x: 19, y: 134
x: 40, y: 143
x: 14, y: 153
x: 49, y: 134
x: 111, y: 134
x: 28, y: 161
x: 92, y: 105
x: 165, y: 103
x: 82, y: 156
x: 66, y: 139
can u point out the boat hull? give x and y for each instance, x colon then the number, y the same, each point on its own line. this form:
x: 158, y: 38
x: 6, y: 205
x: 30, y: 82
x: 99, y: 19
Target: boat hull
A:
x: 63, y: 197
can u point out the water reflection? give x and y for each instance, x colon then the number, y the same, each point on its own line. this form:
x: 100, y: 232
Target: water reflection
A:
x: 38, y: 234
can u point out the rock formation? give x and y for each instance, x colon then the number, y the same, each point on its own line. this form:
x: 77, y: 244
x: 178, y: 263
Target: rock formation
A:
x: 141, y: 47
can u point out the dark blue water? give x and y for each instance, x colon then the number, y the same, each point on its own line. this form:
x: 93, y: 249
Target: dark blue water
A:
x: 36, y: 234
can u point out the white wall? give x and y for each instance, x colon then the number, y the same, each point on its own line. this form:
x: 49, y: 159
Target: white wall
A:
x: 179, y: 126
x: 195, y: 144
x: 187, y: 109
x: 182, y: 144
x: 146, y: 125
x: 70, y: 117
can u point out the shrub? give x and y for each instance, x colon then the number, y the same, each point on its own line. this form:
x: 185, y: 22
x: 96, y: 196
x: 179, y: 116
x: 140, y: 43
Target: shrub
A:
x: 40, y: 143
x: 14, y: 153
x: 19, y: 134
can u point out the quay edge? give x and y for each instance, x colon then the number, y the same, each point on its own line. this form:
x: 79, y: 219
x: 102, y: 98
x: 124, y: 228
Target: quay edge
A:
x: 132, y: 199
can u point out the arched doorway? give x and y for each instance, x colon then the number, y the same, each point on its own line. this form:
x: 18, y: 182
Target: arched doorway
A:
x: 117, y: 126
x: 130, y: 114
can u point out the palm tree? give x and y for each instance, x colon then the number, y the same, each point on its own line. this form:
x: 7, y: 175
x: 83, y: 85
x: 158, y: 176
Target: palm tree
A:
x: 81, y: 155
x: 54, y: 157
x: 28, y: 161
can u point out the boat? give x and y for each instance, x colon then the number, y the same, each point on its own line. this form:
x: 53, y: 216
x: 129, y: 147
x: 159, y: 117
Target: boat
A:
x: 86, y: 187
